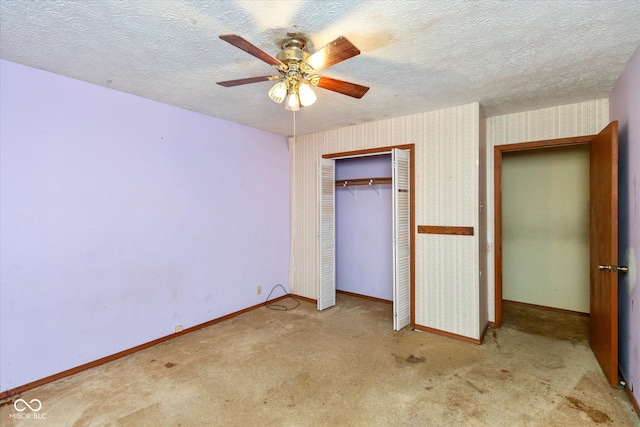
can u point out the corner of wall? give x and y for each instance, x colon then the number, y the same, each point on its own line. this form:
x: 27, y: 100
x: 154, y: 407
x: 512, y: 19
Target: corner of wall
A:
x: 624, y: 104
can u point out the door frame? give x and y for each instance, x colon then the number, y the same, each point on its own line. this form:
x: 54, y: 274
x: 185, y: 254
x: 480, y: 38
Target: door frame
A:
x: 498, y: 151
x: 412, y: 201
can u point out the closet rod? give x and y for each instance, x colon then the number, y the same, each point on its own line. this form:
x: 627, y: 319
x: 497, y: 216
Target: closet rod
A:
x: 363, y: 181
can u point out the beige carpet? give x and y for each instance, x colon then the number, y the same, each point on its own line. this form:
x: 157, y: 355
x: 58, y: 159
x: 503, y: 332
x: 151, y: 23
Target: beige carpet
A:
x: 340, y: 367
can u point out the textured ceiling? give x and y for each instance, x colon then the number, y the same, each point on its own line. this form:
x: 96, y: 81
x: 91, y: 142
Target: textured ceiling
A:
x: 416, y: 55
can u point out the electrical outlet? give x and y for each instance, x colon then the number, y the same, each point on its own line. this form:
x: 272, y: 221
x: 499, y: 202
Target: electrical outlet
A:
x: 179, y: 328
x: 259, y: 290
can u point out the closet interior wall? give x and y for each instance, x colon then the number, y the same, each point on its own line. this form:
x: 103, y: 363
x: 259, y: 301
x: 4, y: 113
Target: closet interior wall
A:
x: 364, y: 255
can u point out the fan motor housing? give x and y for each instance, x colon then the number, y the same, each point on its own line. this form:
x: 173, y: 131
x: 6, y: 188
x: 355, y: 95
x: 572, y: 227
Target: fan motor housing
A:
x: 294, y: 48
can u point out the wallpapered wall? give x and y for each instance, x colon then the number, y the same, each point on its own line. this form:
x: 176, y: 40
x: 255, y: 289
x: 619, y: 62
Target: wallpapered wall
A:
x: 584, y: 118
x: 447, y: 286
x: 450, y: 147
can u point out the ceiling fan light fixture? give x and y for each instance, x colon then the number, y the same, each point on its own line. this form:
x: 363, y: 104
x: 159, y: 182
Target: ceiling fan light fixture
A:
x: 307, y: 97
x: 293, y: 102
x: 297, y: 68
x: 278, y: 92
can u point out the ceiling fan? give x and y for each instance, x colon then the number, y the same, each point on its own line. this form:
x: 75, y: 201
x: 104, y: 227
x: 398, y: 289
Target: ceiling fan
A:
x: 297, y: 69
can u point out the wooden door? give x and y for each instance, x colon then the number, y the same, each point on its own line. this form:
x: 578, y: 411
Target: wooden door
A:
x: 603, y: 229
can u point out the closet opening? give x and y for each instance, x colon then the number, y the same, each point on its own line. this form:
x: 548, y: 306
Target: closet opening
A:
x: 545, y: 241
x: 364, y: 232
x: 365, y: 238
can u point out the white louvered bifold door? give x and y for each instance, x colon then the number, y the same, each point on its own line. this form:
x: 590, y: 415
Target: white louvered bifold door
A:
x: 327, y: 234
x: 401, y: 240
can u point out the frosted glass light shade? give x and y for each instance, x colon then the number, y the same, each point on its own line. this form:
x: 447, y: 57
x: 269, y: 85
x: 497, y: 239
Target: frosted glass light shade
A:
x: 293, y: 102
x: 278, y: 92
x: 307, y: 97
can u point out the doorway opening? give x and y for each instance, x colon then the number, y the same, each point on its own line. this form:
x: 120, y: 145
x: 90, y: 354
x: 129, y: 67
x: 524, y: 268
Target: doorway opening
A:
x: 501, y: 152
x: 545, y: 241
x: 603, y: 239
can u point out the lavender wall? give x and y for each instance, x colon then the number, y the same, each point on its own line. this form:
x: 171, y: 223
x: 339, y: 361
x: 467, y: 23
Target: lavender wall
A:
x: 625, y: 107
x: 121, y: 218
x: 364, y: 263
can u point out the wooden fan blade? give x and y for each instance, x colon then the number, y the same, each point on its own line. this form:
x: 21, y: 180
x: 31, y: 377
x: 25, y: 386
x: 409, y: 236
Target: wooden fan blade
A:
x: 230, y: 83
x: 250, y: 48
x: 345, y: 88
x: 336, y: 51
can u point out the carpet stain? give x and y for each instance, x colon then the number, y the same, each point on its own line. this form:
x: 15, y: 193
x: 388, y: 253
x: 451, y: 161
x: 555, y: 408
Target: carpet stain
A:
x: 410, y: 359
x: 475, y: 387
x: 495, y: 339
x: 413, y: 359
x: 170, y: 365
x: 596, y: 416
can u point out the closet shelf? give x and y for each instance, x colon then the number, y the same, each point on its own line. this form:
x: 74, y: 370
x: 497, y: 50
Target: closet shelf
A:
x: 363, y: 181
